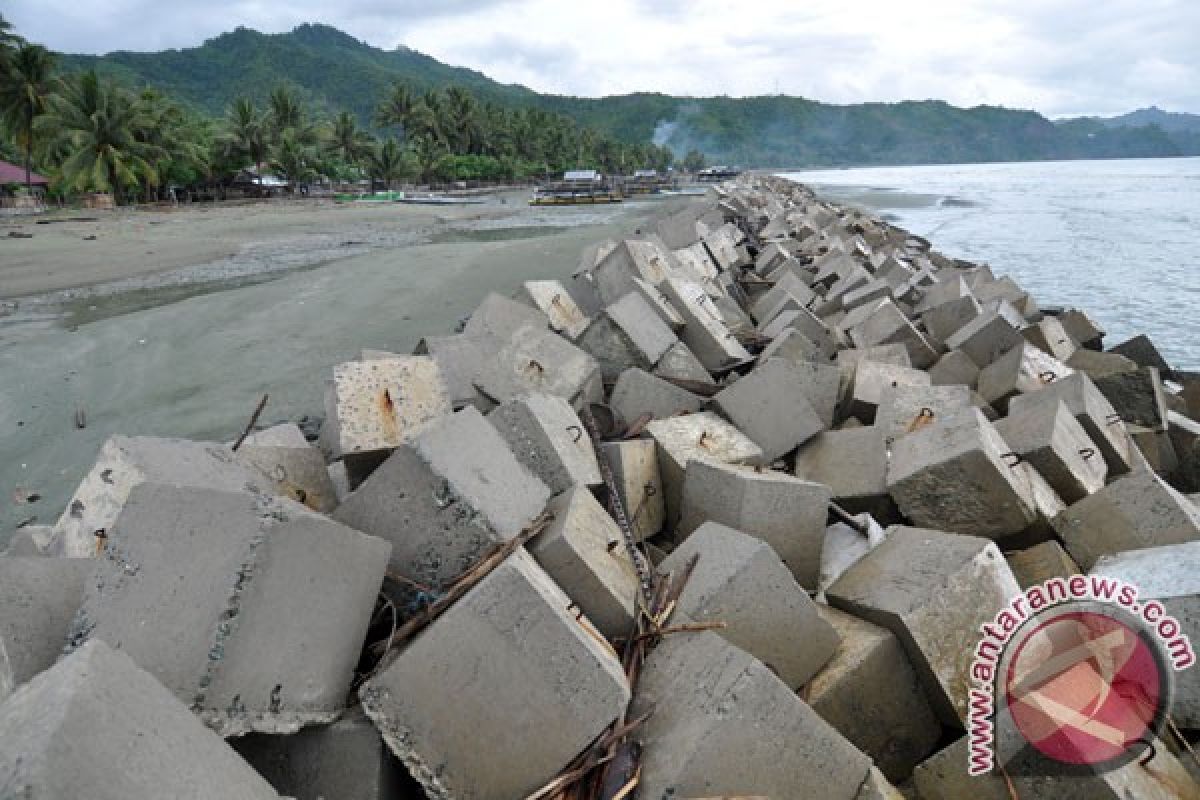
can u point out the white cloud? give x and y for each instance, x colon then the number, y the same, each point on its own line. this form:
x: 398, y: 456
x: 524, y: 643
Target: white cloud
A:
x: 1060, y: 57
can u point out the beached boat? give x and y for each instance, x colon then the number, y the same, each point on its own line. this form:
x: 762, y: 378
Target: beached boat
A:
x: 578, y: 187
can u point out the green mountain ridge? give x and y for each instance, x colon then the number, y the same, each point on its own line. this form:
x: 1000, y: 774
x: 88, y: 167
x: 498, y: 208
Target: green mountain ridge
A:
x: 333, y: 70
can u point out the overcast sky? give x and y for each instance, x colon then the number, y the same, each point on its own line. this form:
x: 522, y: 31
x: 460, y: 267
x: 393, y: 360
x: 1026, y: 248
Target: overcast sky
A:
x: 1061, y: 57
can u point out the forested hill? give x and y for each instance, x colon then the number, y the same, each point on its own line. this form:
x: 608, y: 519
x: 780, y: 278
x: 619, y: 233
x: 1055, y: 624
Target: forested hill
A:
x: 333, y: 70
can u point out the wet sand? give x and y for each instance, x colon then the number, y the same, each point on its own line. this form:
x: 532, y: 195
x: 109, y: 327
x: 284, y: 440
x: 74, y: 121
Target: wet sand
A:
x: 151, y: 363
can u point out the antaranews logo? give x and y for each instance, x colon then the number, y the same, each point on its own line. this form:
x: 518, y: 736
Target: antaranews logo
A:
x: 1074, y: 674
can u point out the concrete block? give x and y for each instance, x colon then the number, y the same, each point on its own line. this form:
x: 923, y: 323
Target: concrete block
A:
x: 498, y: 318
x: 284, y: 435
x: 445, y: 497
x: 1134, y: 512
x: 1091, y: 409
x: 346, y: 760
x: 807, y: 323
x: 789, y: 286
x: 661, y: 305
x: 1142, y: 352
x: 704, y: 332
x: 870, y: 693
x: 904, y: 408
x: 97, y: 726
x: 547, y: 436
x: 740, y: 581
x: 626, y: 334
x: 712, y: 702
x: 553, y: 300
x: 582, y: 551
x: 870, y: 379
x: 1023, y: 369
x: 373, y: 406
x: 877, y: 787
x: 460, y: 359
x: 298, y: 472
x: 944, y: 320
x: 634, y: 464
x: 889, y: 325
x: 1049, y: 336
x: 951, y: 475
x: 932, y: 590
x: 537, y: 360
x: 870, y: 291
x: 38, y: 600
x: 1082, y: 328
x: 29, y: 541
x: 679, y: 363
x: 126, y: 461
x: 955, y: 367
x: 985, y: 338
x: 628, y: 260
x: 1138, y: 396
x: 480, y: 673
x: 1040, y: 563
x: 844, y: 547
x: 794, y: 346
x: 770, y: 405
x: 853, y: 464
x: 942, y: 291
x: 703, y: 435
x: 1171, y: 574
x: 1053, y: 441
x: 822, y: 387
x: 1096, y: 363
x: 226, y: 580
x: 638, y: 392
x: 785, y: 512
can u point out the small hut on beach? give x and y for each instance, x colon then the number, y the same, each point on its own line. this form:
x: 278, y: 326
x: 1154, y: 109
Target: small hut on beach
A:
x: 12, y: 187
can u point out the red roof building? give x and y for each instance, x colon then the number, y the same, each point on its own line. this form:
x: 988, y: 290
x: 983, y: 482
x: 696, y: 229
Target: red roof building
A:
x: 11, y: 173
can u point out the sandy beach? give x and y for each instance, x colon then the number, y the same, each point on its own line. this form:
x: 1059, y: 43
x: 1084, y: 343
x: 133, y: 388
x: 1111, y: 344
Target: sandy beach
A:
x: 174, y: 323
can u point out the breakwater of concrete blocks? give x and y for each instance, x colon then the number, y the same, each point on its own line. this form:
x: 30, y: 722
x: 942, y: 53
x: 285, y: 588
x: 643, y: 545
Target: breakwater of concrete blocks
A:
x: 721, y: 516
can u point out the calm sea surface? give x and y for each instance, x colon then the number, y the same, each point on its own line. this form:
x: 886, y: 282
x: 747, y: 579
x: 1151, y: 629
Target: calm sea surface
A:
x: 1119, y: 239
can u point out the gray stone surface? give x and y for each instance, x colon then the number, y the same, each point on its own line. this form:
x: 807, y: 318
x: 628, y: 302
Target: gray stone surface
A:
x: 1138, y: 396
x: 712, y: 704
x: 871, y: 695
x: 630, y: 259
x: 634, y: 465
x: 295, y: 471
x: 955, y: 367
x: 497, y: 318
x: 1040, y: 563
x: 638, y: 392
x: 534, y: 359
x: 343, y: 761
x: 794, y: 346
x: 1053, y: 441
x: 460, y: 359
x: 1091, y: 409
x: 785, y: 512
x: 1051, y: 338
x: 553, y: 300
x: 547, y: 436
x: 96, y: 726
x: 947, y: 318
x: 628, y: 333
x: 933, y: 590
x: 583, y: 551
x: 681, y: 363
x: 985, y: 338
x: 445, y: 497
x: 704, y: 332
x: 1096, y: 363
x: 740, y: 581
x: 907, y: 408
x: 1136, y: 511
x: 1023, y: 369
x: 1082, y: 328
x: 1142, y: 352
x: 870, y: 379
x: 951, y: 476
x: 38, y: 600
x: 853, y: 464
x: 771, y: 406
x: 251, y: 609
x: 475, y: 708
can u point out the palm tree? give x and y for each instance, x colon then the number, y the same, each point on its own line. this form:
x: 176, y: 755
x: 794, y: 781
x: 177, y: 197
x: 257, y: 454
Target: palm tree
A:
x: 96, y: 126
x: 23, y: 92
x: 347, y: 140
x: 395, y: 109
x: 293, y: 159
x: 386, y: 163
x: 246, y: 135
x: 175, y: 138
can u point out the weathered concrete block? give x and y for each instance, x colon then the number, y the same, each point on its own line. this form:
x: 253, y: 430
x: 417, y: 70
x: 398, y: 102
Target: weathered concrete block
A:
x: 1053, y: 441
x: 942, y: 291
x: 634, y: 465
x: 790, y: 287
x: 295, y: 471
x: 1142, y: 352
x: 630, y: 259
x: 1091, y: 409
x: 889, y: 325
x: 871, y: 695
x: 38, y: 600
x: 638, y: 392
x: 480, y: 674
x: 785, y: 512
x: 661, y: 305
x: 740, y: 581
x: 985, y: 338
x: 74, y: 732
x: 346, y: 760
x: 944, y: 320
x: 1096, y: 363
x: 853, y: 464
x: 822, y: 387
x: 582, y: 551
x: 460, y: 359
x: 794, y: 346
x: 126, y: 461
x: 1137, y: 396
x: 537, y: 360
x: 227, y: 579
x: 703, y: 435
x: 445, y: 497
x: 807, y: 323
x: 29, y: 541
x: 546, y: 435
x: 705, y: 332
x: 933, y: 590
x: 627, y: 334
x: 1049, y: 336
x: 680, y: 363
x: 1082, y: 329
x: 1170, y: 574
x: 870, y: 379
x: 1040, y: 563
x: 844, y: 547
x: 553, y: 300
x: 905, y: 408
x: 373, y: 406
x: 770, y: 405
x: 1136, y: 511
x: 498, y: 318
x: 1023, y: 369
x: 952, y: 475
x: 712, y: 702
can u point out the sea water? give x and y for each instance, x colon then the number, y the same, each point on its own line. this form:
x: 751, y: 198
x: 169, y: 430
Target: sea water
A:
x: 1119, y: 239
